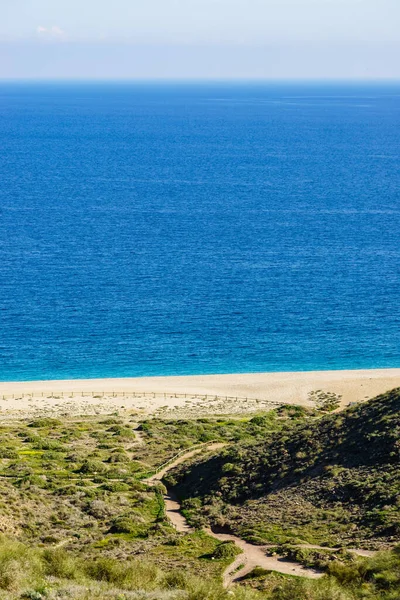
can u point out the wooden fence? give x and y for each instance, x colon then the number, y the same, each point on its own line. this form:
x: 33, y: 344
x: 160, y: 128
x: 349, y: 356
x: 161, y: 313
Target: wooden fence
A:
x: 98, y: 395
x: 180, y: 453
x: 170, y: 461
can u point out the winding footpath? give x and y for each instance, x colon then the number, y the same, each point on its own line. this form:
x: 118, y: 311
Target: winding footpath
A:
x: 252, y: 556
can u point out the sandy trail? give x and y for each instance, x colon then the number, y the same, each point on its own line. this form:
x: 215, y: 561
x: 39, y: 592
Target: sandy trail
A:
x: 255, y: 556
x: 183, y: 458
x: 172, y: 506
x: 252, y: 556
x: 173, y: 512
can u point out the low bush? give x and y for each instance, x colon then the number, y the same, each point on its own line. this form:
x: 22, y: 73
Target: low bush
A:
x: 128, y: 575
x: 92, y: 466
x: 225, y: 550
x: 116, y: 486
x: 8, y: 453
x: 47, y: 422
x: 59, y: 563
x: 126, y: 524
x: 19, y: 565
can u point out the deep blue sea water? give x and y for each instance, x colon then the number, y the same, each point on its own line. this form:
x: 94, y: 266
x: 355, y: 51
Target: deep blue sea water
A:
x: 201, y: 228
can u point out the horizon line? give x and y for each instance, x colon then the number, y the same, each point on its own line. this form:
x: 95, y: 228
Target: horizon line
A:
x: 272, y: 80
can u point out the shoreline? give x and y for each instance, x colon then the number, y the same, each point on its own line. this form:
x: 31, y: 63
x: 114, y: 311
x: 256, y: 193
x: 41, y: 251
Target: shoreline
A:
x: 191, y: 395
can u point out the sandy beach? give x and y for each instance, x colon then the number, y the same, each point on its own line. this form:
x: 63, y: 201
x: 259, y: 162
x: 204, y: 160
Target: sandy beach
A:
x: 191, y: 395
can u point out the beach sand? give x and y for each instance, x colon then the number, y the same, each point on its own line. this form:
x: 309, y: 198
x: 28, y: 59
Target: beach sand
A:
x: 190, y: 396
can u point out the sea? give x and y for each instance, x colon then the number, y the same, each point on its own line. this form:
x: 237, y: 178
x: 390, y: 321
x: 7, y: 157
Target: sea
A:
x: 196, y: 228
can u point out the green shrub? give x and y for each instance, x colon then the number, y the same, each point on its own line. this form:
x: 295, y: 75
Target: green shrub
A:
x: 59, y: 563
x: 99, y: 509
x: 256, y: 573
x: 225, y: 550
x: 46, y: 422
x: 41, y: 444
x: 92, y: 466
x: 19, y: 566
x: 259, y: 420
x: 51, y: 455
x: 175, y: 580
x: 116, y: 486
x: 126, y: 524
x: 111, y: 421
x: 8, y: 453
x: 129, y: 575
x: 118, y: 456
x: 67, y: 490
x: 121, y: 431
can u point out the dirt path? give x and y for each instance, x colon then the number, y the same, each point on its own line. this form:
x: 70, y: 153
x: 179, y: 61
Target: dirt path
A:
x: 255, y: 556
x: 252, y: 556
x: 183, y: 458
x: 172, y: 506
x: 173, y: 512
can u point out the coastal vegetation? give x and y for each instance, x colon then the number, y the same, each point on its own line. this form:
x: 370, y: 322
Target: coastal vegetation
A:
x: 332, y: 481
x: 79, y: 518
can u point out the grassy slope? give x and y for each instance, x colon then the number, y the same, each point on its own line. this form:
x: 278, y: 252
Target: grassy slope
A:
x: 79, y: 522
x: 74, y: 487
x: 334, y: 481
x: 75, y: 484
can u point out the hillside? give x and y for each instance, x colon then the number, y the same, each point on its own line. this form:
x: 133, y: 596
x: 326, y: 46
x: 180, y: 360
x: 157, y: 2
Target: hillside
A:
x: 332, y: 481
x: 79, y: 518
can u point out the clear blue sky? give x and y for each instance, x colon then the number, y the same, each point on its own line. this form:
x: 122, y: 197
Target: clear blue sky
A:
x: 200, y: 38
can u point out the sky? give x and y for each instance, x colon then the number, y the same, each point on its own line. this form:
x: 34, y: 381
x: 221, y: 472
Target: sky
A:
x: 207, y: 39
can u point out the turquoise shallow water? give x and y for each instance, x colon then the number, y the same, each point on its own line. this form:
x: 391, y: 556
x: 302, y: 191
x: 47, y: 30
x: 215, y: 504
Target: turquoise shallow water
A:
x: 179, y: 229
